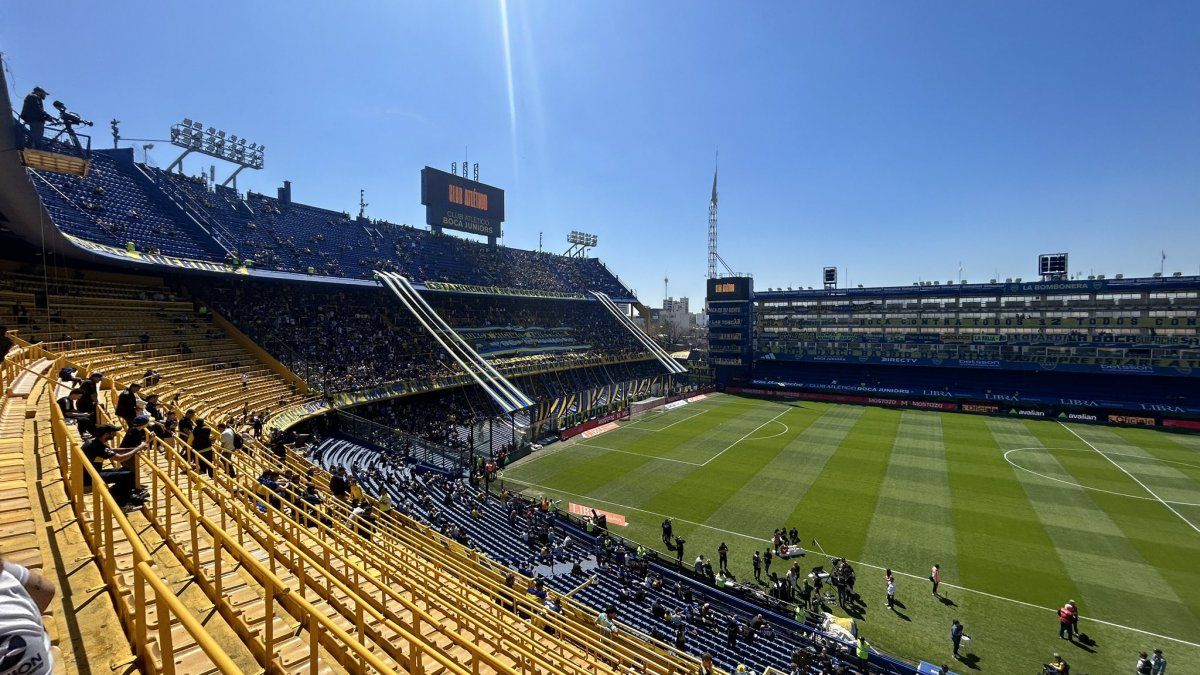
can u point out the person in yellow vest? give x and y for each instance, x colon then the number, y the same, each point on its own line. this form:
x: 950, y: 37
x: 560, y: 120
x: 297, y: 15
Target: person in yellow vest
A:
x: 862, y: 649
x: 384, y: 505
x: 356, y: 491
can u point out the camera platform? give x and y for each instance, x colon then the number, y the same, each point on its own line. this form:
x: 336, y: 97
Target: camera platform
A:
x: 44, y: 160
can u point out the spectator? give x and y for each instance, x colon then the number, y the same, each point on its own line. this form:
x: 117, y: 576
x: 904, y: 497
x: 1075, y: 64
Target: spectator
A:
x: 127, y: 403
x: 187, y: 424
x: 606, y: 621
x: 228, y: 440
x: 120, y: 480
x: 1158, y: 663
x: 202, y: 445
x: 24, y: 596
x: 69, y: 405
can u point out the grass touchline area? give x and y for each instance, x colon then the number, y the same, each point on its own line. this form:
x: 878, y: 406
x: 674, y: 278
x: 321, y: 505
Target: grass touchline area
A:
x: 1073, y: 516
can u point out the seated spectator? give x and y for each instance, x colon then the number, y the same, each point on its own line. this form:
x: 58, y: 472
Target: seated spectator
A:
x: 120, y: 480
x: 24, y: 596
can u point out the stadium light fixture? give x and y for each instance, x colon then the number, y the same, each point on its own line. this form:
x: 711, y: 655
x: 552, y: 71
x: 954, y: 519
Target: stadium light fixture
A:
x: 193, y: 136
x: 580, y: 242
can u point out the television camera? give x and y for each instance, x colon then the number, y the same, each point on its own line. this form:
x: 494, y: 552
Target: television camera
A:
x: 68, y: 121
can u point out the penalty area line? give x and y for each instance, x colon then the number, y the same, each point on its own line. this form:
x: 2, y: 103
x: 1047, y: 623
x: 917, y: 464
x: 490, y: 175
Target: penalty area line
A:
x: 1135, y: 478
x: 856, y: 562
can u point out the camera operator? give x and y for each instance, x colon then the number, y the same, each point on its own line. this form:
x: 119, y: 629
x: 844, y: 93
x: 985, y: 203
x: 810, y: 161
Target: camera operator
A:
x: 35, y: 117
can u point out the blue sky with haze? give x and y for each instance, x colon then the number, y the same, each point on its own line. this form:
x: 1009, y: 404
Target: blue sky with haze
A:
x: 892, y: 139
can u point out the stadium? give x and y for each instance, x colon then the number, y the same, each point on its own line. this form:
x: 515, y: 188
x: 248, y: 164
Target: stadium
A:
x: 242, y: 434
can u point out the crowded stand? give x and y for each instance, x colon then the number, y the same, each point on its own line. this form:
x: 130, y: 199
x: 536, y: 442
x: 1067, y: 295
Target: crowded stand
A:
x: 189, y: 422
x: 136, y: 207
x: 686, y: 606
x: 347, y: 338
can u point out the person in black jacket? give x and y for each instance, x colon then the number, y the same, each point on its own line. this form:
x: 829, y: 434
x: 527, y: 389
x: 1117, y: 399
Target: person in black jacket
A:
x: 97, y: 452
x: 88, y: 402
x: 127, y: 403
x: 202, y: 444
x: 34, y: 114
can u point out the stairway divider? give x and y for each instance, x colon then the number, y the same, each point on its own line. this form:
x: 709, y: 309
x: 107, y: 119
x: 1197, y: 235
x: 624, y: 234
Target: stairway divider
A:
x: 640, y: 335
x: 504, y: 393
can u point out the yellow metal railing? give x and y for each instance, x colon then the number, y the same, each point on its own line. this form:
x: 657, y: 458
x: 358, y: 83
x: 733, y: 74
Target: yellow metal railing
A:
x: 104, y: 524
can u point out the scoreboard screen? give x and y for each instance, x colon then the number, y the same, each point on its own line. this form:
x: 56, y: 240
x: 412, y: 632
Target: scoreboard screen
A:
x: 457, y: 203
x: 729, y: 288
x: 1052, y: 264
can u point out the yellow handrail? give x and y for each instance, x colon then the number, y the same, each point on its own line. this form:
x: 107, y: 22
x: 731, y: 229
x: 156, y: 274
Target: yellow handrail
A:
x: 99, y: 531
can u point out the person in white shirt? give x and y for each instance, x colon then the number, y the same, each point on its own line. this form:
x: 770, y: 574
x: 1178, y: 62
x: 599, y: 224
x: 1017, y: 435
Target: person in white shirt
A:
x: 24, y: 644
x: 227, y: 443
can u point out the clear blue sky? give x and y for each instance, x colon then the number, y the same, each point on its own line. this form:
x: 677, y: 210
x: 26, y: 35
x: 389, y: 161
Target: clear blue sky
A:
x: 892, y: 139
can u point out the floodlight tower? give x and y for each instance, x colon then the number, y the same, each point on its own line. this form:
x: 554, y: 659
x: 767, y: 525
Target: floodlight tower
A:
x: 712, y: 226
x: 193, y: 137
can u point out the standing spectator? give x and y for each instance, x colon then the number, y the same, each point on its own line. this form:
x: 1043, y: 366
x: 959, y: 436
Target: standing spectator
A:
x: 187, y: 424
x: 24, y: 596
x: 723, y: 558
x: 956, y: 636
x: 202, y: 444
x: 338, y: 486
x: 891, y: 588
x: 1158, y: 663
x: 935, y: 577
x: 228, y: 440
x: 706, y: 665
x: 1065, y: 619
x: 127, y: 403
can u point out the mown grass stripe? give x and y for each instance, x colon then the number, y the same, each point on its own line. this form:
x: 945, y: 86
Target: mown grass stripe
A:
x: 837, y: 509
x: 766, y: 500
x: 701, y: 492
x: 1001, y: 544
x: 912, y: 526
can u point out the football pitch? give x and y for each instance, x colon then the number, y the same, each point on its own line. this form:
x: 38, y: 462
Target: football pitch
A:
x: 1021, y: 515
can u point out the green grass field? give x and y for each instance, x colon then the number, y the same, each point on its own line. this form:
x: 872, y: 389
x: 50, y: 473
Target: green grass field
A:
x: 1022, y: 516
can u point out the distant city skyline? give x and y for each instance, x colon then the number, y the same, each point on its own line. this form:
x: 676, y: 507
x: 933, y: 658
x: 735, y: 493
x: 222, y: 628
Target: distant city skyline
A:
x: 894, y: 141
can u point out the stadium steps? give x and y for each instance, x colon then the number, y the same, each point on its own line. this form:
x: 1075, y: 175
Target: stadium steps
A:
x: 97, y: 639
x: 474, y: 576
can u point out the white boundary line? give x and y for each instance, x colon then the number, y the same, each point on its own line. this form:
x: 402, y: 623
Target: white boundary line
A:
x: 858, y: 562
x: 630, y: 426
x: 1081, y: 485
x: 785, y: 430
x: 1135, y: 478
x: 638, y: 454
x: 785, y: 411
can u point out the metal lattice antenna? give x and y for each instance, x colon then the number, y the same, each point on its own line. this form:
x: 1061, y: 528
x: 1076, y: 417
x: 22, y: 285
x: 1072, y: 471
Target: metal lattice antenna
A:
x: 712, y: 223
